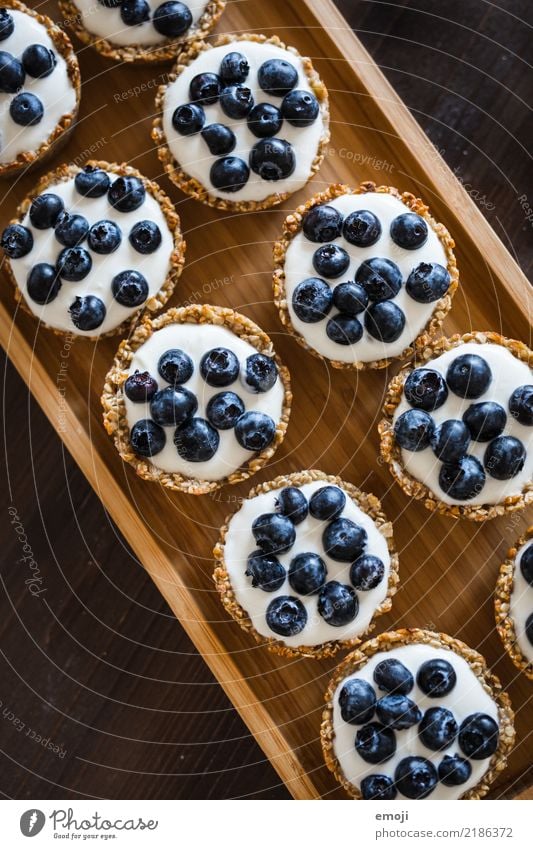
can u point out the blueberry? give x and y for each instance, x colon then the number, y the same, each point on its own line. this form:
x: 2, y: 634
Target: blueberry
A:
x: 173, y: 406
x: 415, y: 777
x: 74, y: 264
x: 413, y: 430
x: 436, y: 678
x: 307, y: 573
x: 236, y: 101
x: 322, y: 223
x: 175, y: 366
x: 92, y: 182
x: 337, y: 604
x: 172, y: 19
x: 529, y: 628
x: 43, y: 283
x: 428, y: 282
x: 362, y: 228
x: 425, y: 389
x: 127, y: 194
x: 196, y: 441
x: 327, y: 503
x: 229, y: 174
x: 12, y: 73
x: 331, y: 261
x: 219, y: 139
x: 469, y: 376
x: 409, y: 231
x: 7, y: 24
x: 286, y: 616
x: 140, y: 387
x: 205, y: 89
x: 130, y: 288
x: 357, y: 701
x: 265, y: 120
x: 71, y: 229
x: 385, y: 321
x: 188, y: 119
x: 26, y: 109
x: 526, y: 564
x: 273, y: 533
x: 463, y: 480
x: 343, y: 540
x: 478, y: 736
x: 485, y: 420
x: 224, y: 410
x: 393, y: 677
x: 104, y: 237
x: 255, y: 431
x: 350, y: 298
x: 234, y: 68
x: 504, y: 458
x: 398, y: 712
x: 219, y: 367
x: 454, y: 770
x: 311, y: 300
x: 521, y: 404
x: 45, y: 211
x: 450, y: 441
x: 277, y: 77
x: 145, y: 237
x: 367, y: 572
x: 147, y: 438
x: 375, y: 743
x: 378, y: 787
x: 39, y: 61
x: 266, y: 571
x: 273, y: 159
x: 344, y: 329
x: 134, y: 12
x: 380, y: 277
x: 292, y: 502
x: 259, y: 373
x: 438, y: 728
x: 17, y: 241
x: 300, y: 108
x: 87, y: 312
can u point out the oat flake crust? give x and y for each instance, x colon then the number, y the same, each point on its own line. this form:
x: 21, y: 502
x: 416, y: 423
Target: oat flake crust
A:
x: 502, y: 607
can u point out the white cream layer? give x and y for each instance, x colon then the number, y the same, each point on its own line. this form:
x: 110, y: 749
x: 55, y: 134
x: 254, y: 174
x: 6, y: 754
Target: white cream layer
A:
x: 521, y: 605
x: 108, y: 23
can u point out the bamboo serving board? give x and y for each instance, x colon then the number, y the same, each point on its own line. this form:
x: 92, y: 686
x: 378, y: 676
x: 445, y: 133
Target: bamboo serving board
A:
x: 448, y: 569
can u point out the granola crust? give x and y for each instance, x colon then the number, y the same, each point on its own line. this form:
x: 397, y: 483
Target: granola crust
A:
x: 177, y: 259
x: 403, y: 637
x: 368, y: 503
x: 139, y: 52
x: 61, y: 131
x: 115, y: 420
x: 502, y: 607
x: 193, y: 187
x: 293, y: 225
x: 391, y: 453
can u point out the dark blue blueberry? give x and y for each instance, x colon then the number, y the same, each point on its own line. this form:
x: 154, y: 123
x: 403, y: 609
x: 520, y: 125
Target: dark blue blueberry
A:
x: 312, y: 299
x: 485, y: 420
x: 266, y: 571
x: 504, y: 458
x: 140, y: 387
x: 286, y: 616
x: 7, y: 24
x: 350, y: 298
x: 454, y: 770
x: 145, y: 237
x: 26, y: 109
x: 273, y: 159
x: 415, y: 777
x: 463, y: 480
x: 255, y: 431
x: 172, y: 18
x: 196, y: 441
x: 425, y: 389
x: 343, y: 540
x: 357, y: 701
x: 104, y: 237
x: 39, y: 61
x: 526, y: 564
x: 43, y: 283
x: 450, y: 441
x: 147, y: 438
x: 393, y: 677
x: 265, y: 120
x: 277, y: 77
x: 436, y: 678
x: 130, y: 288
x: 337, y: 604
x: 367, y: 572
x: 398, y: 712
x: 229, y: 174
x: 413, y: 430
x: 478, y: 736
x: 529, y: 628
x: 87, y: 312
x: 92, y: 182
x: 205, y: 89
x: 236, y: 101
x: 234, y: 68
x: 300, y: 108
x: 219, y: 139
x: 307, y: 573
x: 219, y: 367
x: 259, y: 373
x: 375, y: 743
x: 12, y: 73
x: 173, y: 406
x: 127, y: 194
x: 330, y: 261
x: 322, y: 223
x: 224, y: 410
x: 409, y: 231
x: 17, y: 241
x: 438, y: 728
x: 71, y: 229
x: 175, y: 366
x: 428, y: 282
x: 291, y: 502
x: 469, y: 376
x: 327, y: 503
x: 74, y: 264
x: 344, y: 329
x: 362, y: 228
x: 188, y: 119
x: 134, y: 12
x: 273, y: 533
x: 380, y: 277
x: 379, y: 787
x: 521, y: 404
x: 385, y: 321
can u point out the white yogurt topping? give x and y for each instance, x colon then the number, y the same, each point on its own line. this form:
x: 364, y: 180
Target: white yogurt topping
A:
x: 299, y: 266
x: 55, y: 91
x: 467, y: 697
x: 192, y: 152
x: 521, y: 605
x: 508, y: 373
x: 46, y: 248
x: 108, y: 23
x: 240, y: 543
x: 196, y: 340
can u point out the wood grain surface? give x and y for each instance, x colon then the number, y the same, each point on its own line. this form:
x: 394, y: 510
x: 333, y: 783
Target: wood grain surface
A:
x: 97, y: 663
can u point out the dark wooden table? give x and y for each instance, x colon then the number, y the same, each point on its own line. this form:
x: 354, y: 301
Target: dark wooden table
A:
x: 106, y: 697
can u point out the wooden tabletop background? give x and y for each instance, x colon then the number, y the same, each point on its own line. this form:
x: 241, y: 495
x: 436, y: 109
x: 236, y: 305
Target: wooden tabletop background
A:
x: 108, y: 698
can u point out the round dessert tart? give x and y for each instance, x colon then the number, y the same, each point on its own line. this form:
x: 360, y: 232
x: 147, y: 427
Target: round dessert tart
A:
x: 243, y: 122
x: 363, y: 276
x: 514, y: 603
x: 40, y: 87
x: 140, y: 30
x: 197, y: 398
x: 306, y: 564
x: 458, y: 426
x: 91, y: 247
x: 416, y: 715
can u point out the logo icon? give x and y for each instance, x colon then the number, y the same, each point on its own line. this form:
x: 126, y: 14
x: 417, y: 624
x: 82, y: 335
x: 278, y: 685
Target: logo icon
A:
x: 32, y: 822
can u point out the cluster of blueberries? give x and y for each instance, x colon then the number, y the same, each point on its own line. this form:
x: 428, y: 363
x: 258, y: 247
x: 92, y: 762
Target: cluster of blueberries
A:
x: 377, y: 280
x: 272, y: 158
x: 37, y: 61
x: 170, y: 19
x: 526, y: 567
x: 74, y: 262
x: 343, y: 540
x: 380, y: 716
x: 463, y: 476
x: 196, y: 439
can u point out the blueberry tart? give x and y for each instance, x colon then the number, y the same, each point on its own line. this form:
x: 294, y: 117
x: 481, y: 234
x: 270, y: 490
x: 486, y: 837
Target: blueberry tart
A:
x: 363, y: 276
x: 39, y: 87
x: 457, y: 430
x: 197, y: 398
x: 93, y: 246
x: 514, y: 603
x: 140, y: 30
x: 306, y: 564
x: 242, y: 122
x: 416, y: 715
